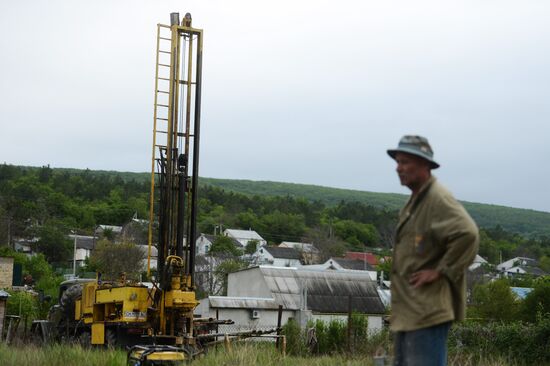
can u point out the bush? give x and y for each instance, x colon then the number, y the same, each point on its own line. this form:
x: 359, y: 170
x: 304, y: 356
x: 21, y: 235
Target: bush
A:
x: 23, y: 304
x: 522, y: 342
x: 295, y: 340
x: 322, y: 338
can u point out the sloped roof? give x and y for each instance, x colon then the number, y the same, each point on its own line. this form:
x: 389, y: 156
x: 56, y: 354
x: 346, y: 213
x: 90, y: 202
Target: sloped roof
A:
x: 242, y: 302
x: 355, y: 264
x: 83, y: 241
x: 211, y: 238
x: 531, y: 270
x: 521, y: 292
x: 369, y: 257
x: 322, y: 291
x: 243, y: 234
x: 304, y: 247
x: 284, y: 253
x: 113, y: 228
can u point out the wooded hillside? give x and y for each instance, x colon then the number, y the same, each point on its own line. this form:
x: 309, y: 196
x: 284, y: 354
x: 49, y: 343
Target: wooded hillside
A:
x: 47, y: 203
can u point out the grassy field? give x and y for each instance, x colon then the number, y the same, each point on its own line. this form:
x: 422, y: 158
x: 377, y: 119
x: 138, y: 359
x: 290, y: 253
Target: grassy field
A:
x: 244, y: 354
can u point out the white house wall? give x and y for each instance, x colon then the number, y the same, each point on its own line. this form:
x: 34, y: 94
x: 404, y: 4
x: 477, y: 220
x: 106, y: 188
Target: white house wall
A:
x: 82, y: 254
x: 249, y: 283
x: 283, y: 262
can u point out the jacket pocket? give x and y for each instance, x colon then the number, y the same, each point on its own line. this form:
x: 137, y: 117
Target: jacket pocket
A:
x: 423, y: 243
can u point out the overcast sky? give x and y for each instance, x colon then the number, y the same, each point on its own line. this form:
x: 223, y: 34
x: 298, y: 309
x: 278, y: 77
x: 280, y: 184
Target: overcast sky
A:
x: 293, y: 91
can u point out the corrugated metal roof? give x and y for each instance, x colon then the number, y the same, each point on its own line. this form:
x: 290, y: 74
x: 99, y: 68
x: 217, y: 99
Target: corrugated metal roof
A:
x: 327, y: 291
x: 242, y: 302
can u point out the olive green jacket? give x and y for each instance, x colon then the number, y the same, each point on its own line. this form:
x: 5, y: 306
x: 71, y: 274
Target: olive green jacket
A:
x: 434, y: 232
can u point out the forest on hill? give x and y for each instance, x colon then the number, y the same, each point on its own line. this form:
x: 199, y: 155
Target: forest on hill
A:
x: 522, y: 221
x: 48, y: 203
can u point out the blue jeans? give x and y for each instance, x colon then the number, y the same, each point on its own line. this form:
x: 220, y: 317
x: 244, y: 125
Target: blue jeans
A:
x: 422, y: 347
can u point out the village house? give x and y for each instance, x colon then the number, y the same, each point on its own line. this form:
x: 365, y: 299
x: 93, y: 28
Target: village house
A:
x: 370, y: 258
x: 24, y: 245
x: 515, y: 262
x: 303, y: 294
x: 83, y: 247
x: 245, y: 236
x: 478, y: 262
x: 204, y: 243
x: 520, y: 266
x: 277, y: 256
x: 308, y: 252
x: 135, y: 231
x: 108, y: 231
x: 524, y: 270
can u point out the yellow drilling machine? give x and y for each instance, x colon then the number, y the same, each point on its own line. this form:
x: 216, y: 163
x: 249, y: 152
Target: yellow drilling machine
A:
x: 156, y: 320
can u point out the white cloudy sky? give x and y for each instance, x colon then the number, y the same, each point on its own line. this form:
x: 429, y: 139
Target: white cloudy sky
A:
x: 294, y: 91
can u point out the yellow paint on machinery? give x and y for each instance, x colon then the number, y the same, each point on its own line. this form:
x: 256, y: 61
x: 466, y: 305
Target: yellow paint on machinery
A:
x: 184, y: 300
x: 98, y: 333
x: 144, y: 356
x: 105, y: 303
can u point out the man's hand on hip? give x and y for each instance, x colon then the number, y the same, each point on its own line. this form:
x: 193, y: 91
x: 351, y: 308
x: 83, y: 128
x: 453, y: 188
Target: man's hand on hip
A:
x: 423, y: 277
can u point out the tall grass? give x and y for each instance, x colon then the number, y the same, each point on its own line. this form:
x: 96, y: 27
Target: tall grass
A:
x: 59, y: 355
x: 242, y: 354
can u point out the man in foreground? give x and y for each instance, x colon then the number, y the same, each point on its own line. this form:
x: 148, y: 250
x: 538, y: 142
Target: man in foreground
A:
x: 436, y: 240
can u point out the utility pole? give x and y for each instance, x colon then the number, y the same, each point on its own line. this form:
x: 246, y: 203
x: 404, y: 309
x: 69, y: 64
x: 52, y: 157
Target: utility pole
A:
x: 74, y: 255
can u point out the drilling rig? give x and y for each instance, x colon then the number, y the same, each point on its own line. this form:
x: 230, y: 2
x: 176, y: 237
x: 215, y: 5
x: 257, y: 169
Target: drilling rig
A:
x: 122, y: 312
x: 174, y: 184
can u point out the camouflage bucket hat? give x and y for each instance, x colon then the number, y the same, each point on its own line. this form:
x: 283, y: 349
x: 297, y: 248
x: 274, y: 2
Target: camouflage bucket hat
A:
x: 415, y: 145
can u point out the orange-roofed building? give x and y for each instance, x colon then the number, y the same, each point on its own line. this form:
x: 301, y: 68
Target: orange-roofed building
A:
x: 368, y: 257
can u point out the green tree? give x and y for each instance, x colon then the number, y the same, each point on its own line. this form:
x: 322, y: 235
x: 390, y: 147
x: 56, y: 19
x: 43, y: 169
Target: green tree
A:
x: 327, y: 245
x: 251, y: 246
x: 385, y: 267
x: 53, y: 243
x: 356, y: 233
x: 495, y: 301
x: 112, y: 259
x: 224, y: 269
x: 537, y: 303
x: 278, y: 226
x: 544, y: 263
x: 22, y: 303
x: 224, y: 245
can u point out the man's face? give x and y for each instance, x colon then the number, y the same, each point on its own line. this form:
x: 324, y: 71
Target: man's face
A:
x: 412, y: 170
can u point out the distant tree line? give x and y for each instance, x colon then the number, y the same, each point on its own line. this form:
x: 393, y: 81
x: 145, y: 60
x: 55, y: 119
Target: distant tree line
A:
x: 48, y: 203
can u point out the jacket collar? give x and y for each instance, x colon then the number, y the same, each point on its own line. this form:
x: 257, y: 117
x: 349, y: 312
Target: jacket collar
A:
x: 413, y: 202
